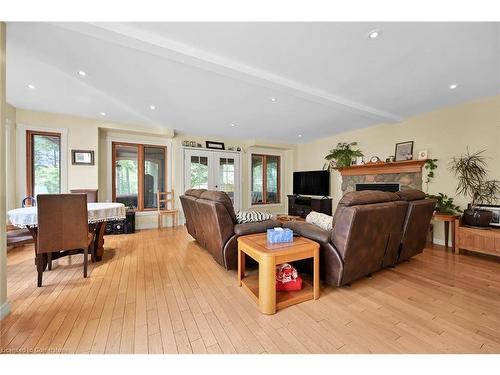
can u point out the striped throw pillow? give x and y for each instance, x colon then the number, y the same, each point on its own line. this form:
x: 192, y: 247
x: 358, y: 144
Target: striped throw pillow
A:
x: 252, y: 216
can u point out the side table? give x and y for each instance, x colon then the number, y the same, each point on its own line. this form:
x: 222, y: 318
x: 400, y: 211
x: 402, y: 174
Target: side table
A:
x: 447, y: 219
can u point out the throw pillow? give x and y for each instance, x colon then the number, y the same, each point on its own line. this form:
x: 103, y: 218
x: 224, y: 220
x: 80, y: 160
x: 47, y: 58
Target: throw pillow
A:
x: 251, y: 216
x: 321, y: 220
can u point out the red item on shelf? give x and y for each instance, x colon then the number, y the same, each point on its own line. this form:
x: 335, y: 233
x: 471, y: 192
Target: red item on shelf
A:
x: 289, y: 286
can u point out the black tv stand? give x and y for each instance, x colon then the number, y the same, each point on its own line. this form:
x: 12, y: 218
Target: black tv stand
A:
x: 301, y: 206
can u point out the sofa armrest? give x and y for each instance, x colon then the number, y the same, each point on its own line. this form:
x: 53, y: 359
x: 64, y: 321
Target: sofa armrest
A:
x: 257, y: 227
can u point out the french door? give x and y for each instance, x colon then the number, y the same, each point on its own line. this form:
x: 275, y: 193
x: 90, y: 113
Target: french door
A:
x: 213, y: 170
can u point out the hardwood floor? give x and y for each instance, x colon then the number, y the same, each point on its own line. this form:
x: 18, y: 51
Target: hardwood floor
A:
x: 159, y: 292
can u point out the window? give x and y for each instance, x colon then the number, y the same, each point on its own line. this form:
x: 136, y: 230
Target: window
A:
x: 43, y: 156
x: 139, y: 171
x: 265, y: 187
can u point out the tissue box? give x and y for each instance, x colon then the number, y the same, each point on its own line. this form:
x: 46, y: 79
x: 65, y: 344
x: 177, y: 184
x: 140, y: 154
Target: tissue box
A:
x: 279, y: 235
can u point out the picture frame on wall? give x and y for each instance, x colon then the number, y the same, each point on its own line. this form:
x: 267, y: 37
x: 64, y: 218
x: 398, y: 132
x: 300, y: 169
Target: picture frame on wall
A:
x: 82, y: 157
x: 404, y: 151
x: 215, y: 145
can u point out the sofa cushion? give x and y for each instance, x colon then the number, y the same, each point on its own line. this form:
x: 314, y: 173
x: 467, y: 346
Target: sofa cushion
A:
x: 356, y: 198
x: 411, y: 195
x: 257, y: 227
x: 310, y: 231
x: 321, y: 220
x: 221, y: 197
x: 252, y: 216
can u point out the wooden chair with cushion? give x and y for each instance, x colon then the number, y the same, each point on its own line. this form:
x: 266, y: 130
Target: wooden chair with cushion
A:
x: 92, y: 194
x: 166, y: 207
x: 62, y: 229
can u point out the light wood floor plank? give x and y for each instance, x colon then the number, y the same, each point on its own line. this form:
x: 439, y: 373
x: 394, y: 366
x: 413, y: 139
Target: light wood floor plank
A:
x: 158, y: 291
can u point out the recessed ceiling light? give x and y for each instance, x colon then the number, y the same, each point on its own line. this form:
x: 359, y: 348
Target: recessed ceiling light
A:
x: 82, y: 73
x: 152, y: 107
x: 453, y: 86
x: 103, y: 113
x: 300, y: 135
x: 274, y: 100
x: 373, y: 34
x: 233, y: 125
x: 31, y: 86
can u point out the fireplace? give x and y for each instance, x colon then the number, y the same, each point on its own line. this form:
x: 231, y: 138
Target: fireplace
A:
x: 392, y: 187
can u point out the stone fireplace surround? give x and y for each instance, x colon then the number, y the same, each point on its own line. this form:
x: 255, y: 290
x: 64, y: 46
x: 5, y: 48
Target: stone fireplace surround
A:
x: 408, y: 174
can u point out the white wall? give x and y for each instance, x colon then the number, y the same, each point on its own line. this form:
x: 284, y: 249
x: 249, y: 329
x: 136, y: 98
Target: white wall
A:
x: 4, y: 304
x: 84, y: 133
x: 444, y: 133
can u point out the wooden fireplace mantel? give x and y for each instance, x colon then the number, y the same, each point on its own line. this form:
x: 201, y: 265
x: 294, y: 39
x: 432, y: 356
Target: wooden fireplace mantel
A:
x: 409, y: 166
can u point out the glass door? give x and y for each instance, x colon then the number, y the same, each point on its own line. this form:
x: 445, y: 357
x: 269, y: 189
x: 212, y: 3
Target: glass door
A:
x: 213, y: 170
x: 227, y: 175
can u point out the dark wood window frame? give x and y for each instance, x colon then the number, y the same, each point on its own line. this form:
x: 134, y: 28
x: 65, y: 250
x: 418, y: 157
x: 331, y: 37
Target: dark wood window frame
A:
x: 264, y: 178
x: 140, y: 171
x: 30, y: 170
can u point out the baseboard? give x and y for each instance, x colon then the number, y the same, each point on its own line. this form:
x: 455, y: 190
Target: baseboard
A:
x: 4, y: 310
x: 438, y: 241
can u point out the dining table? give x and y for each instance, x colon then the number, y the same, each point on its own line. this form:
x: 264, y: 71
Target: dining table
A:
x: 98, y: 214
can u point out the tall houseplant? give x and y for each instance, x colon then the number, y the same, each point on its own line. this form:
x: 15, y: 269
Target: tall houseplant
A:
x: 342, y: 155
x: 472, y: 173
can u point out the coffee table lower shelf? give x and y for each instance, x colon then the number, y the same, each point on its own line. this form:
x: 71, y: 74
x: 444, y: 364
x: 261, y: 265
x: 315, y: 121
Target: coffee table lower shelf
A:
x: 283, y: 299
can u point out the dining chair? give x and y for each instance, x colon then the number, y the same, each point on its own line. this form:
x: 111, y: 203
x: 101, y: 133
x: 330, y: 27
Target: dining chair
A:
x: 166, y: 198
x: 28, y: 201
x: 92, y: 194
x: 62, y: 229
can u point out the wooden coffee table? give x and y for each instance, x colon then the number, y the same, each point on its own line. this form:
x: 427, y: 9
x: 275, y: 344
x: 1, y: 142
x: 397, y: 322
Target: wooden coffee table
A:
x: 262, y: 286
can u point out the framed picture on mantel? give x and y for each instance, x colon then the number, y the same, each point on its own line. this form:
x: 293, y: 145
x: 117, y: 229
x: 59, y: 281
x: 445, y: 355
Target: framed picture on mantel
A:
x: 404, y: 151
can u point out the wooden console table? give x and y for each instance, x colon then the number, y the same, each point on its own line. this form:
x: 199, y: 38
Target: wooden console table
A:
x: 484, y: 241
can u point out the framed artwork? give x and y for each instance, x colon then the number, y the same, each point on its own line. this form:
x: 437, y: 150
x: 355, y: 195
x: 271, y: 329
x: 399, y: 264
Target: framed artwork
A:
x: 82, y: 157
x: 404, y: 151
x: 215, y: 145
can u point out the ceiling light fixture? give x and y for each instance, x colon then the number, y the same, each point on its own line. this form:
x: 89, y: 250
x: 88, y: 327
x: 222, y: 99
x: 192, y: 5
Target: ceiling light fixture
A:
x: 152, y: 107
x: 373, y: 34
x: 233, y: 125
x: 82, y: 73
x: 274, y: 100
x: 103, y: 113
x: 31, y: 86
x: 300, y: 135
x: 453, y: 86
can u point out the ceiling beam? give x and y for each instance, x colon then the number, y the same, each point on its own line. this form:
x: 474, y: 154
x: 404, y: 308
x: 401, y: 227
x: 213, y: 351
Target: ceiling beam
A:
x: 130, y: 36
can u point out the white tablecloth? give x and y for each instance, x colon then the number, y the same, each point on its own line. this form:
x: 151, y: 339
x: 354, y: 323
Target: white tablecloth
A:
x: 98, y: 212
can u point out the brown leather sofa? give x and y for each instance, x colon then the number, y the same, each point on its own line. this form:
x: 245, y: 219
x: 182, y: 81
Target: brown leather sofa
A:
x: 370, y: 230
x: 416, y: 225
x: 211, y: 220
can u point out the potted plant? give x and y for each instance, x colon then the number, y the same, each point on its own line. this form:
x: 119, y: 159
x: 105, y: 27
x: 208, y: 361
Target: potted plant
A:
x: 342, y: 155
x: 445, y: 204
x: 472, y: 174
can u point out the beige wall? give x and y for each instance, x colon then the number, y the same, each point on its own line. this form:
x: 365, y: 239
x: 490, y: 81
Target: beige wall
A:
x: 445, y: 133
x: 4, y: 305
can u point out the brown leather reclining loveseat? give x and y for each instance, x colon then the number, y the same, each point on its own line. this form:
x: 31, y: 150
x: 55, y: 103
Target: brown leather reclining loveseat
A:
x: 371, y: 230
x: 211, y: 220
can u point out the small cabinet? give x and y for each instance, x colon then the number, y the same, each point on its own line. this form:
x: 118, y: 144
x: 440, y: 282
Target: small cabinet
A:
x: 301, y: 206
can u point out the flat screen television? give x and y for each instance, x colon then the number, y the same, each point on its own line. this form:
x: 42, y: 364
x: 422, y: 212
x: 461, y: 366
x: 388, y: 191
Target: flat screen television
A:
x: 311, y: 183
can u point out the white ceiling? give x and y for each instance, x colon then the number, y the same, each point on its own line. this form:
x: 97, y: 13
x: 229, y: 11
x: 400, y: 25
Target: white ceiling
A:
x: 327, y: 77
